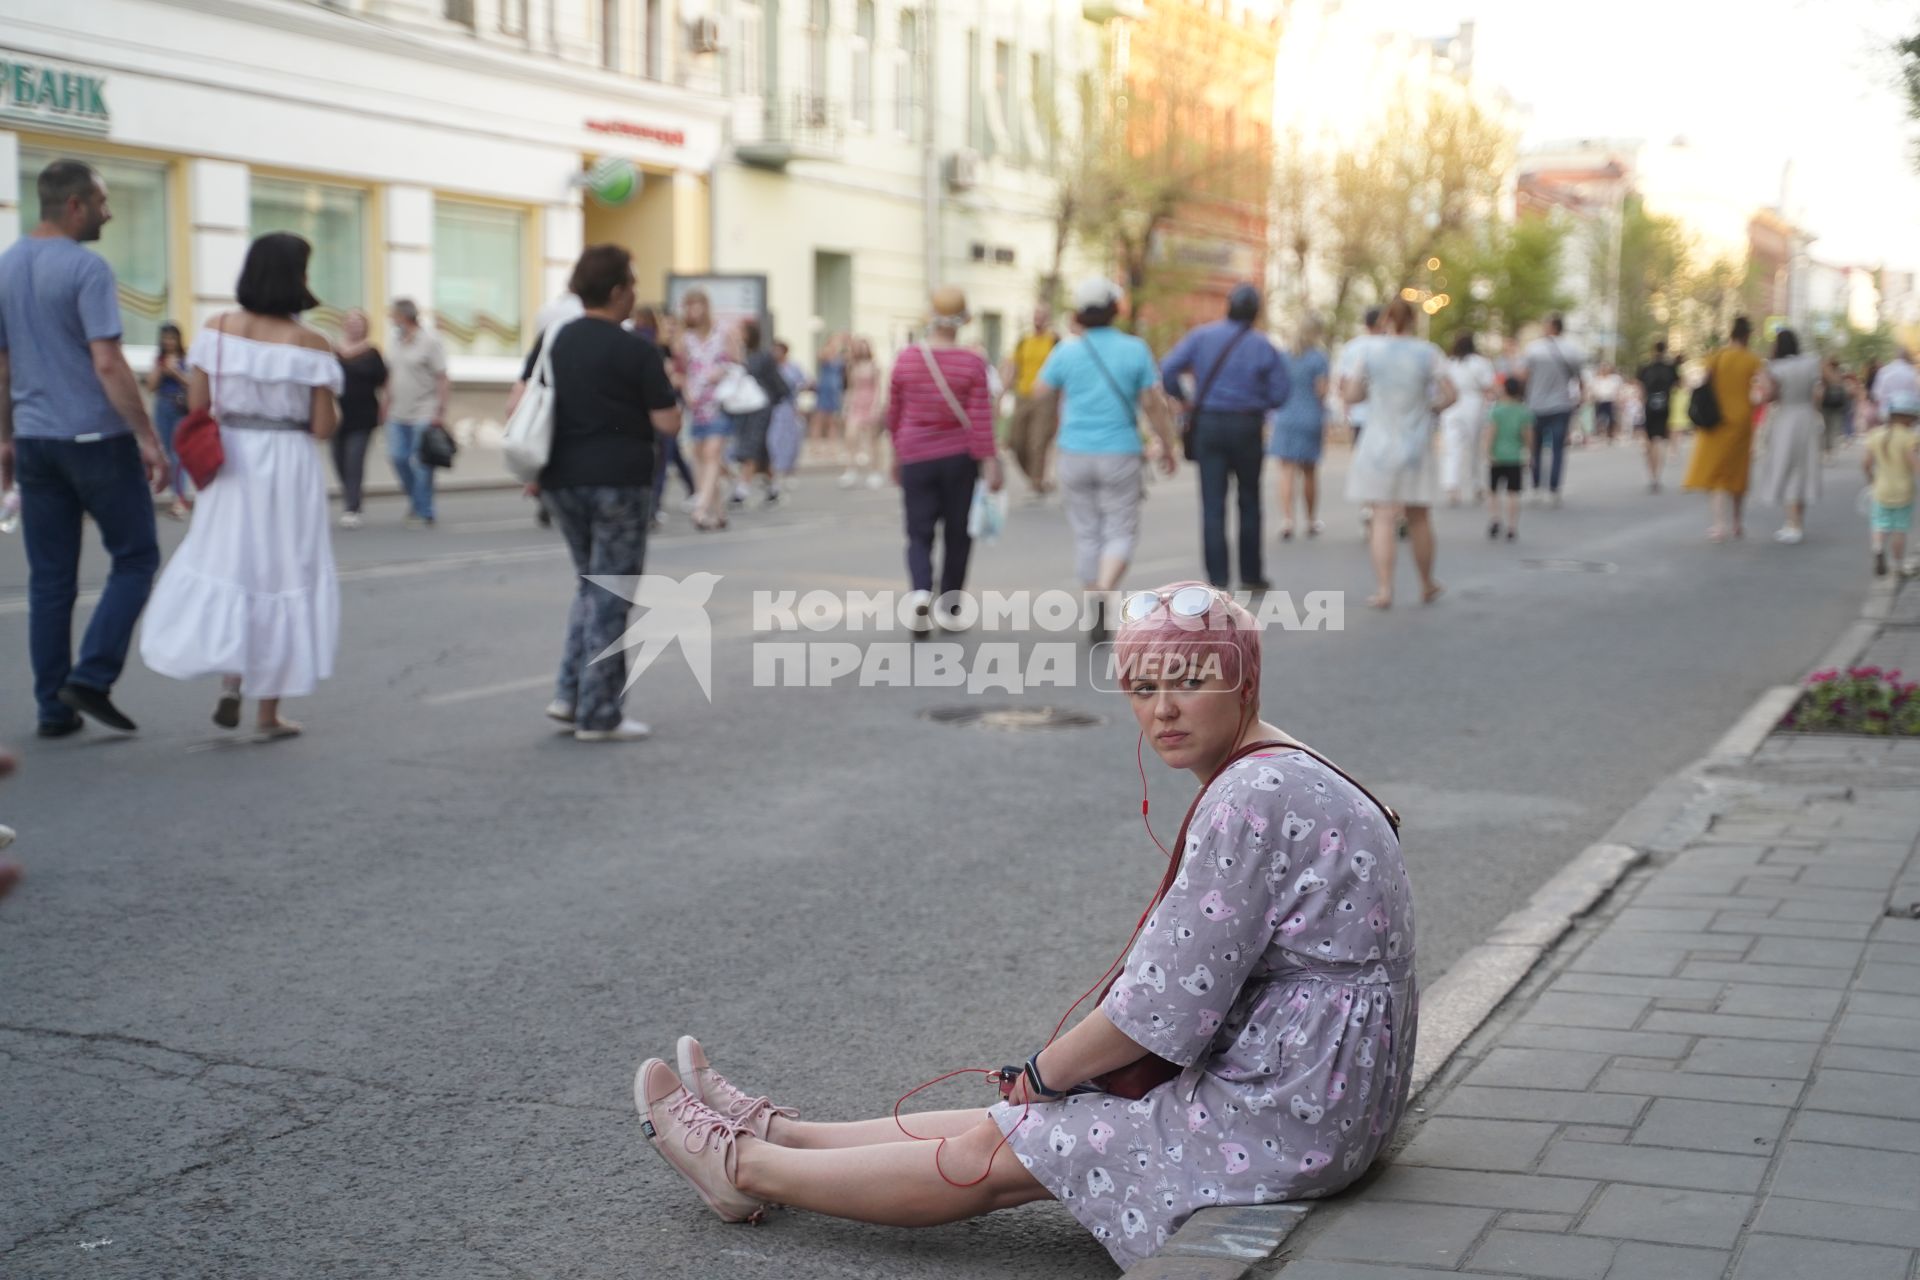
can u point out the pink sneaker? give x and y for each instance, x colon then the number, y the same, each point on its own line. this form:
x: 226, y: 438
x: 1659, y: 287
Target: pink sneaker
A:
x: 695, y: 1139
x: 752, y: 1115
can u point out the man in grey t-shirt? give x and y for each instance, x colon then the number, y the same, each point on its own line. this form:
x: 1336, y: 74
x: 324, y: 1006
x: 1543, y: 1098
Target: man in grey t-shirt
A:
x: 75, y: 435
x: 1553, y: 393
x: 417, y: 391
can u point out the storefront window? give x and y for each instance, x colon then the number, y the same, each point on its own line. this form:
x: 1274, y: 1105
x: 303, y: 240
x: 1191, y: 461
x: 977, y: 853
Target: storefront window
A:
x: 334, y: 221
x: 134, y: 242
x: 478, y: 255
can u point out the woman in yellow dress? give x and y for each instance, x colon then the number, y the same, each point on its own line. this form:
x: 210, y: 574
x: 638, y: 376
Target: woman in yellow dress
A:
x: 1723, y: 455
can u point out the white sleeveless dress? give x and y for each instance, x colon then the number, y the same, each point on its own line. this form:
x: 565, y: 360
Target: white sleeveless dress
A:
x: 251, y: 591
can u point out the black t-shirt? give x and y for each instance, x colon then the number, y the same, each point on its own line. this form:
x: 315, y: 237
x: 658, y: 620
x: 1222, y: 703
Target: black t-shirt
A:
x: 1659, y: 378
x: 606, y: 380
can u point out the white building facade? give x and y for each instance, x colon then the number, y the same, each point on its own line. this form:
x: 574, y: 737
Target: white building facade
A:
x: 430, y: 149
x: 879, y: 149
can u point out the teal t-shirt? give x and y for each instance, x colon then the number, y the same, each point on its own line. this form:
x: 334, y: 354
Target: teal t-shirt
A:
x: 1510, y: 423
x: 1093, y: 417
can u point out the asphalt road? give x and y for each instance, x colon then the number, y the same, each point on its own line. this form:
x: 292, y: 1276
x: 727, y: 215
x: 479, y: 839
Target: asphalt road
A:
x: 368, y: 1003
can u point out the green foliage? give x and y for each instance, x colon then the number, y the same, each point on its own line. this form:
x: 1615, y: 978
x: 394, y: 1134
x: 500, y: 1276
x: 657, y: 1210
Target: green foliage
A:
x: 1856, y: 349
x: 1858, y: 700
x: 1515, y: 265
x: 1654, y: 260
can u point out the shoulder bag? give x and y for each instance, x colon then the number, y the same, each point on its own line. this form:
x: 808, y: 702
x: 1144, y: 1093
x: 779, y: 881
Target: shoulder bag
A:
x: 740, y: 393
x: 529, y: 439
x: 1703, y: 406
x: 196, y: 440
x: 437, y: 447
x: 1148, y: 1072
x: 1188, y: 449
x: 940, y: 381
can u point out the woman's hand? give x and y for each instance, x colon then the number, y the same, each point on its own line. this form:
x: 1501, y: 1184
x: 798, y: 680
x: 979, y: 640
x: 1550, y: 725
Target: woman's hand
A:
x: 1019, y: 1092
x: 996, y: 477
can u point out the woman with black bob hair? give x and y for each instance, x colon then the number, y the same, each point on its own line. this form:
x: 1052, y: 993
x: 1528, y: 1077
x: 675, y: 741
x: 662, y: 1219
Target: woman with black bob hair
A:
x: 610, y: 396
x: 251, y: 595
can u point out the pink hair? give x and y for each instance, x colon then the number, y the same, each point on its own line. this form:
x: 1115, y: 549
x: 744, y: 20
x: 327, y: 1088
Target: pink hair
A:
x: 1226, y: 633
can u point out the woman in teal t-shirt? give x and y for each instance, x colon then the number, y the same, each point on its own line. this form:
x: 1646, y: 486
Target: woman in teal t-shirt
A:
x: 1105, y: 378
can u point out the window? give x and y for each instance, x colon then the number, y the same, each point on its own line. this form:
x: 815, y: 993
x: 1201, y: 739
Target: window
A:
x: 906, y: 72
x: 819, y: 18
x: 458, y: 11
x: 977, y: 136
x: 610, y: 34
x: 334, y: 221
x: 478, y: 260
x: 650, y: 41
x: 134, y: 243
x: 862, y: 97
x: 1005, y: 99
x: 749, y: 70
x: 1042, y: 126
x: 513, y: 18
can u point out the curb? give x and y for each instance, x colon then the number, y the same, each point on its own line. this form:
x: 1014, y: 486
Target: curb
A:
x: 1226, y: 1244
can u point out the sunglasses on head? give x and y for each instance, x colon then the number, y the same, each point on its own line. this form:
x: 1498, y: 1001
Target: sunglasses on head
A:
x: 1187, y: 602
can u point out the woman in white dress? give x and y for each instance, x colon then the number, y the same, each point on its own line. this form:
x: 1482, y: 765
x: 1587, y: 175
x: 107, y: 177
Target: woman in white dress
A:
x: 1795, y: 433
x: 251, y: 594
x: 1464, y: 423
x: 1403, y: 382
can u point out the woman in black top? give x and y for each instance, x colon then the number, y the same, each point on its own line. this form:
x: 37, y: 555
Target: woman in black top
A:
x: 610, y: 396
x: 750, y: 429
x: 365, y: 373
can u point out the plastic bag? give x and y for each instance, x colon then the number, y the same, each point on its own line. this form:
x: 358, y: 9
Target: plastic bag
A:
x: 987, y: 514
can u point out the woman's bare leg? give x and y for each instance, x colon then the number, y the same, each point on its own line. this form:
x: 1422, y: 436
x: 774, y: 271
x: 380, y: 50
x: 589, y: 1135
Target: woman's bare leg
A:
x: 1382, y: 534
x: 895, y: 1183
x: 1310, y: 475
x: 1286, y: 498
x: 813, y: 1135
x: 1420, y: 536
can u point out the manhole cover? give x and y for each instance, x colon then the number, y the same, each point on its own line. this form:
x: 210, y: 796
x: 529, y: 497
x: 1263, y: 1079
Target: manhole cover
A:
x: 1574, y: 566
x: 1013, y: 717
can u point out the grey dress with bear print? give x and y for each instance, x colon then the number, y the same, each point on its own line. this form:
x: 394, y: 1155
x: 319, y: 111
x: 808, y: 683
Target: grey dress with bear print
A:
x: 1278, y: 973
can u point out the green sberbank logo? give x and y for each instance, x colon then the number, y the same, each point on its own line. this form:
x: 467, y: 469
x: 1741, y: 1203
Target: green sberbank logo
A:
x: 58, y: 97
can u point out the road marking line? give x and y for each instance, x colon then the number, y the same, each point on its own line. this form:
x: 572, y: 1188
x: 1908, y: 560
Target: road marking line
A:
x: 487, y: 690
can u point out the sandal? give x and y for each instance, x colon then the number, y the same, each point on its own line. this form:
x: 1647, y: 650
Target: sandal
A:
x: 277, y: 730
x: 1380, y: 602
x: 226, y: 712
x: 1432, y: 593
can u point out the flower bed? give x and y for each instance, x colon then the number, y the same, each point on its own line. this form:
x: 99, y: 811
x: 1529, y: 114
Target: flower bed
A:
x: 1857, y: 700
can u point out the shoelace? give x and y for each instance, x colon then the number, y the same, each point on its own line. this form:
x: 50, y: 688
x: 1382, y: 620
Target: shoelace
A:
x: 705, y: 1126
x: 740, y: 1108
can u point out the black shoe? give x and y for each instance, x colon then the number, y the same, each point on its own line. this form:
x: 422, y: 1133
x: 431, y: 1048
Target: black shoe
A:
x: 1098, y: 633
x: 1493, y: 530
x: 1512, y: 534
x: 95, y: 703
x: 1880, y: 564
x: 1256, y: 584
x: 60, y: 728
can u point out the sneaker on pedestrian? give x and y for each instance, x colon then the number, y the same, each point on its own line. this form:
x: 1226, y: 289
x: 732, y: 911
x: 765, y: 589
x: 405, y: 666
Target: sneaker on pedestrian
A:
x: 739, y: 496
x: 560, y: 710
x: 95, y: 703
x: 625, y: 731
x: 753, y: 1115
x: 699, y: 1142
x: 1789, y: 537
x: 849, y: 479
x: 73, y: 725
x: 1317, y: 528
x: 349, y: 519
x: 920, y: 609
x: 875, y: 480
x: 773, y: 494
x: 1553, y: 500
x: 949, y: 618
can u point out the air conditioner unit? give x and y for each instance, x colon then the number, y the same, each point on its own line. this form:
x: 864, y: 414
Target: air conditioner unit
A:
x: 963, y: 170
x: 703, y: 35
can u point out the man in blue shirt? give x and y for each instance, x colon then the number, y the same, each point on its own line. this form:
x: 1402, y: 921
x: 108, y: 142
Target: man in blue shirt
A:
x: 75, y: 436
x: 1238, y: 378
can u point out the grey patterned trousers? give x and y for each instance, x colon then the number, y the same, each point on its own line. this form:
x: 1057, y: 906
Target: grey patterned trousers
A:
x: 606, y: 530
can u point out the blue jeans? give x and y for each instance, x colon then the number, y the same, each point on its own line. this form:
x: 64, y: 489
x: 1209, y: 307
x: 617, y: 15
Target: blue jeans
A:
x: 605, y: 527
x: 1228, y: 445
x: 1550, y: 432
x: 167, y: 415
x: 415, y: 476
x: 62, y: 484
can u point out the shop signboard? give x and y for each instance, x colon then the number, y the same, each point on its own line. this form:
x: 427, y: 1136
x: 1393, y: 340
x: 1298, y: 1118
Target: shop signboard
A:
x: 733, y: 298
x: 51, y: 95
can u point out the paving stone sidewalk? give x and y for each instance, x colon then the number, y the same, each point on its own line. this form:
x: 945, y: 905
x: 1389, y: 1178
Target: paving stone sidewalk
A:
x: 1717, y: 1076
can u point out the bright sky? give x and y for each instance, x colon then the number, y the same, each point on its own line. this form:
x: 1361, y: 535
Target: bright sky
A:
x: 1806, y: 81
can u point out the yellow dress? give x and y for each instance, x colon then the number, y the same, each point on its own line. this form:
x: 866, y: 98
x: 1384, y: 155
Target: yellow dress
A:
x: 1723, y: 456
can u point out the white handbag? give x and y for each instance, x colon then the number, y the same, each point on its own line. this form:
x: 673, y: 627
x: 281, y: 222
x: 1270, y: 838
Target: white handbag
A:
x: 740, y: 392
x: 529, y: 439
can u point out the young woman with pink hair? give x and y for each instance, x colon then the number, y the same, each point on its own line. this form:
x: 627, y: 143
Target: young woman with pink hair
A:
x: 1256, y: 1045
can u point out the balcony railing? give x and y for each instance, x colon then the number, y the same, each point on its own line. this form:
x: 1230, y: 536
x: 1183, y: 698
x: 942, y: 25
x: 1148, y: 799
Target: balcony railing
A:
x: 800, y: 127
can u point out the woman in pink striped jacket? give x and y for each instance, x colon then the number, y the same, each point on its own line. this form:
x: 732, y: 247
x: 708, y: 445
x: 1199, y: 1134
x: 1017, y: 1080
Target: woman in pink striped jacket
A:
x: 940, y: 417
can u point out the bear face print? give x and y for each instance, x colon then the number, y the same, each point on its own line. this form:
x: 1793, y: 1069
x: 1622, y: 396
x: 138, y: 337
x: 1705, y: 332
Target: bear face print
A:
x: 1273, y: 1147
x: 1099, y: 1182
x: 1314, y: 1162
x: 1365, y: 1054
x: 1099, y: 1136
x: 1199, y: 982
x: 1348, y: 907
x: 1260, y: 1193
x: 1302, y: 1110
x: 1215, y: 908
x: 1143, y: 1107
x: 1152, y: 975
x: 1377, y: 918
x: 1336, y: 1086
x: 1253, y: 1037
x: 1393, y: 945
x: 1256, y: 823
x: 1238, y: 1158
x: 1222, y: 861
x: 1294, y: 827
x: 1363, y: 864
x: 1209, y: 1022
x: 1268, y: 778
x: 1324, y: 947
x: 1101, y: 1233
x: 1308, y: 883
x: 1197, y: 1117
x: 1141, y: 1157
x: 1169, y: 1201
x: 1293, y: 924
x: 1121, y: 996
x: 1208, y: 1191
x: 1352, y: 1158
x: 1259, y: 1102
x: 1332, y: 843
x: 1061, y: 1142
x: 1181, y: 934
x: 1176, y: 1152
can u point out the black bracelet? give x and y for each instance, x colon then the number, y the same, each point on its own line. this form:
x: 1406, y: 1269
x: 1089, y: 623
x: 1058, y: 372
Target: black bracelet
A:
x: 1040, y: 1086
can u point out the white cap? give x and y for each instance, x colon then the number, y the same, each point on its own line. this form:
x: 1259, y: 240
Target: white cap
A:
x: 1095, y: 291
